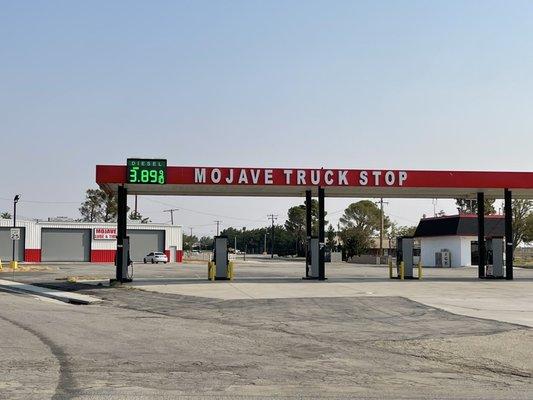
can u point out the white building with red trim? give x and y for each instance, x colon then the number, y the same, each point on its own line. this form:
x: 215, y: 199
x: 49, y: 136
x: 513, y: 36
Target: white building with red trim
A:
x: 51, y: 241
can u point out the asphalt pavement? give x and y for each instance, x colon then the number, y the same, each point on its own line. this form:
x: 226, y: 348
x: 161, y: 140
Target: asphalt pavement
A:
x: 142, y: 344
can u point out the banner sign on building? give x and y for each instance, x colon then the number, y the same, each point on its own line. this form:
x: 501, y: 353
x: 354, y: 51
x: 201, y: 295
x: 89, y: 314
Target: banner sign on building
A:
x: 105, y: 233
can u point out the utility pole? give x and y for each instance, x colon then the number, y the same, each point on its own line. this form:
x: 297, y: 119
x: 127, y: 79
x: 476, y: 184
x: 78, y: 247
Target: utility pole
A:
x: 171, y: 211
x: 381, y: 202
x: 218, y: 226
x: 135, y: 204
x: 191, y: 239
x: 272, y: 218
x: 265, y: 244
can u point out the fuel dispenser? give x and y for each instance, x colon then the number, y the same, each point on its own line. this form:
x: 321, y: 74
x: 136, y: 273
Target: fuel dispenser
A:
x: 404, y: 259
x: 313, y: 250
x: 494, y: 268
x: 220, y: 268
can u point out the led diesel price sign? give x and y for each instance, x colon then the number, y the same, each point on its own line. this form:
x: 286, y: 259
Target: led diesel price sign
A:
x: 147, y: 171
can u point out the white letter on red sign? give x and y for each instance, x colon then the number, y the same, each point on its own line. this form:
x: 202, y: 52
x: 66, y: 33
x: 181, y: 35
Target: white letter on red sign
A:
x: 288, y: 173
x: 403, y: 177
x: 376, y: 174
x: 342, y: 178
x: 229, y: 179
x: 242, y: 177
x: 199, y: 175
x: 363, y: 178
x: 389, y: 178
x: 255, y: 177
x: 268, y: 177
x: 215, y: 175
x: 300, y: 177
x: 315, y: 177
x: 328, y: 177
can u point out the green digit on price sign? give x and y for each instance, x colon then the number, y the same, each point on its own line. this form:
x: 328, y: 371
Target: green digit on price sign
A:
x: 161, y: 178
x: 153, y: 176
x: 133, y: 174
x: 144, y: 176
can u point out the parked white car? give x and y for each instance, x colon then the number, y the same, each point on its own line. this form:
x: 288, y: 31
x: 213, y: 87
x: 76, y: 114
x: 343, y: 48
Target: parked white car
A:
x: 155, y: 257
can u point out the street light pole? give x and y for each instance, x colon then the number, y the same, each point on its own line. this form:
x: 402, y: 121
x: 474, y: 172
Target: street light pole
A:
x: 15, y: 201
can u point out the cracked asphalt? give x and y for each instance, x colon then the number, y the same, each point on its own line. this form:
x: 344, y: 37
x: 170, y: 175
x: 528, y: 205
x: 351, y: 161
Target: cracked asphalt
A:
x: 140, y: 344
x: 144, y: 345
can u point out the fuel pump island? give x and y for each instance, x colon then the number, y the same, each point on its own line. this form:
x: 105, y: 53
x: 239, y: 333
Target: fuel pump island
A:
x: 153, y: 177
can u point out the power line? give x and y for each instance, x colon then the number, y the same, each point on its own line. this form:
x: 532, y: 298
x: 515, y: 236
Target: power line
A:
x: 43, y: 202
x: 204, y: 213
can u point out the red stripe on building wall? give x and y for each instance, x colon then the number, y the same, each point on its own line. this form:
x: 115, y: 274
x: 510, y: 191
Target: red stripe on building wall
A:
x: 179, y: 255
x: 32, y: 255
x: 103, y: 256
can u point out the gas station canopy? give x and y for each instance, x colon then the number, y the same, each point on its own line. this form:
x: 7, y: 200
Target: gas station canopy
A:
x: 154, y: 177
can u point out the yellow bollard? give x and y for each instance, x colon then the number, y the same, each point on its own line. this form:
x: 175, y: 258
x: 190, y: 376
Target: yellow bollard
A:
x: 230, y: 270
x: 14, y: 265
x: 211, y: 270
x: 1, y: 267
x: 419, y: 270
x: 390, y: 269
x: 402, y: 266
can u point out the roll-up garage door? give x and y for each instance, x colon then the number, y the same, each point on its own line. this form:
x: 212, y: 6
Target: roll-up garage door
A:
x: 59, y: 244
x: 6, y: 245
x: 143, y: 242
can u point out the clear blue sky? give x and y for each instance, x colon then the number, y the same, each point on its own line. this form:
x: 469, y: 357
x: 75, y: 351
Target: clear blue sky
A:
x: 412, y: 84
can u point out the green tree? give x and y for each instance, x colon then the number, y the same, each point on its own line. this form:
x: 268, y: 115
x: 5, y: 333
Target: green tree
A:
x: 110, y: 207
x: 364, y: 215
x: 355, y: 239
x: 469, y: 206
x: 360, y: 222
x: 330, y: 238
x: 206, y: 242
x: 189, y: 242
x: 5, y: 215
x: 234, y: 235
x: 137, y: 216
x: 296, y: 224
x: 406, y: 231
x: 91, y: 209
x: 99, y: 206
x: 283, y: 241
x: 522, y: 210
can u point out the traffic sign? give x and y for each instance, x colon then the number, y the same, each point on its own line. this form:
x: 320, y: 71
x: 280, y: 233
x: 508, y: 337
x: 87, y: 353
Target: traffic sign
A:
x: 15, y: 233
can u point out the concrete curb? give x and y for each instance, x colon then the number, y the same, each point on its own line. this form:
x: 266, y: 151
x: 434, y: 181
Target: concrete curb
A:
x: 67, y: 297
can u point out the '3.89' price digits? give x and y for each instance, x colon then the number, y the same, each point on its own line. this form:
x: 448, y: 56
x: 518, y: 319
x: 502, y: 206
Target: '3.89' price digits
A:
x: 138, y: 175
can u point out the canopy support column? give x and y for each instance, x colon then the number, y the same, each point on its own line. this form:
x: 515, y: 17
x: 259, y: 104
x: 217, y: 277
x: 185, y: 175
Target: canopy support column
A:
x: 481, y: 234
x: 122, y: 212
x: 321, y: 235
x: 308, y: 230
x: 509, y: 250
